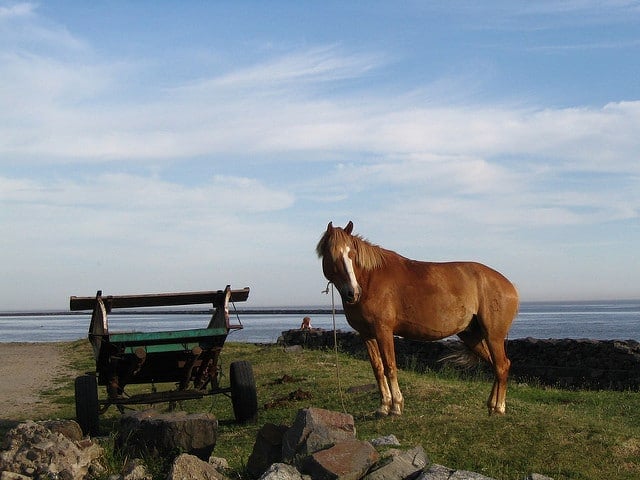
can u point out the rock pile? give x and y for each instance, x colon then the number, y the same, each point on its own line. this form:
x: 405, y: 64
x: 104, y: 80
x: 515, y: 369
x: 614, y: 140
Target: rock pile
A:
x: 49, y: 450
x: 320, y: 445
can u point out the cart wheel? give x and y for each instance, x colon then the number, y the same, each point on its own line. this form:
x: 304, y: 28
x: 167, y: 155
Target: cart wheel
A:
x: 87, y: 404
x: 243, y: 391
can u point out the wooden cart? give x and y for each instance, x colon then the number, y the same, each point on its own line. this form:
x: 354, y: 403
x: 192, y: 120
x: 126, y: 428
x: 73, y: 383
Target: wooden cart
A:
x: 186, y: 358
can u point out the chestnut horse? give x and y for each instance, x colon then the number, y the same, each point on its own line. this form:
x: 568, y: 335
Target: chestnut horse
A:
x: 385, y: 294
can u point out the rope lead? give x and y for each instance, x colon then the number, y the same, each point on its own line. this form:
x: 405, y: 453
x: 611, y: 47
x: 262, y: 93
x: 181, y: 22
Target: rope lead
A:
x: 335, y: 342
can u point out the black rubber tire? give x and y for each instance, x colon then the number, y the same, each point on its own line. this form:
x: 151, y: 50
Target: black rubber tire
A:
x: 87, y: 414
x: 243, y: 392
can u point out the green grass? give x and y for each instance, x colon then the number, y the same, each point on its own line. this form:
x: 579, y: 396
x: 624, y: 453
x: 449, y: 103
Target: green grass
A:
x: 560, y: 433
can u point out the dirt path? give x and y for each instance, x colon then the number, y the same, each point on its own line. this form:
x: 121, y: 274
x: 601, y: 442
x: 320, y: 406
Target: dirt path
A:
x: 26, y: 369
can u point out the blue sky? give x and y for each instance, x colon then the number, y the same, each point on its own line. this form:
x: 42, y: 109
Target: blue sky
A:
x: 169, y: 146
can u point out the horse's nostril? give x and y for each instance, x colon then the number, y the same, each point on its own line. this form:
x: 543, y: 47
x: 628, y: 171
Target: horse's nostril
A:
x: 351, y: 296
x: 347, y: 295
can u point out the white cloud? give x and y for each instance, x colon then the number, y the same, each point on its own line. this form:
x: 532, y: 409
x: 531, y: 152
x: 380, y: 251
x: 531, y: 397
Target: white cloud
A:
x: 57, y: 110
x: 134, y: 231
x: 316, y: 64
x: 414, y: 173
x: 106, y: 210
x: 118, y: 191
x: 434, y: 154
x: 22, y: 28
x: 16, y: 11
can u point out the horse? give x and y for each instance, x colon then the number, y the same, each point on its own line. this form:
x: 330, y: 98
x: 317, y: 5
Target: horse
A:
x: 385, y: 294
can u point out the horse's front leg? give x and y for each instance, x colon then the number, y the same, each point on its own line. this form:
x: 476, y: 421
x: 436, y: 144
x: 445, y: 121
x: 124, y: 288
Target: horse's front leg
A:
x: 378, y: 372
x: 388, y: 354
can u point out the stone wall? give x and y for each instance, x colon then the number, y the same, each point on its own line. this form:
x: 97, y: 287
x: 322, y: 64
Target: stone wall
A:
x: 566, y: 363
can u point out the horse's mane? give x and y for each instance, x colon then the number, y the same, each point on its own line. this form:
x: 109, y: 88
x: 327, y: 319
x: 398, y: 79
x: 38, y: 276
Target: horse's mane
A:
x: 368, y: 256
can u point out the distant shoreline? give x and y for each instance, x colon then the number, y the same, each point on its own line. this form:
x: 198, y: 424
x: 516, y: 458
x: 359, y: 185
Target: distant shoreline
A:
x: 297, y: 310
x: 245, y: 311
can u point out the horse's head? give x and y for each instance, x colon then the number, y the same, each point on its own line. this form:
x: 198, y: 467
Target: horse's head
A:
x: 338, y: 253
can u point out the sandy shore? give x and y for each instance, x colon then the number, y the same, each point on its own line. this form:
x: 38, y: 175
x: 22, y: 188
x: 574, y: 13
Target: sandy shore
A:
x: 26, y: 369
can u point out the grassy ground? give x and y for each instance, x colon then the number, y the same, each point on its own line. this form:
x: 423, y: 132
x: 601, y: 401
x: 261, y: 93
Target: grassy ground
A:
x: 559, y: 433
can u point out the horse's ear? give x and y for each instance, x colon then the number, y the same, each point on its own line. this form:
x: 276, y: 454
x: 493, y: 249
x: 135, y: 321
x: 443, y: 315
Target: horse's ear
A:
x: 349, y: 228
x: 329, y: 227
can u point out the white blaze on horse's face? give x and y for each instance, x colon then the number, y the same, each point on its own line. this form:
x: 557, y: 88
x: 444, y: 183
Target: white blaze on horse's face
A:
x: 352, y: 293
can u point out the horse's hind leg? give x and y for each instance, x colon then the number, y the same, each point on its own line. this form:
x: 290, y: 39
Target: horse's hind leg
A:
x: 494, y: 319
x: 473, y: 337
x: 501, y: 364
x: 378, y: 372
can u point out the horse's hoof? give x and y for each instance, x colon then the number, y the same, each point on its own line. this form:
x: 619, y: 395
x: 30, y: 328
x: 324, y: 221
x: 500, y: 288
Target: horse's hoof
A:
x: 396, y: 411
x: 382, y: 412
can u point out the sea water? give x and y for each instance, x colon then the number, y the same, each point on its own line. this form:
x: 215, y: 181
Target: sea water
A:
x: 619, y: 320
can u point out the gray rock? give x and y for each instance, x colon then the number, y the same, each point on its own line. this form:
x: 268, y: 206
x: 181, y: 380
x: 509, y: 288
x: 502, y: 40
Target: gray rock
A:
x: 281, y: 471
x: 135, y: 470
x: 536, y: 476
x: 436, y: 472
x: 267, y: 449
x: 401, y: 465
x: 465, y: 475
x: 346, y: 460
x: 315, y: 429
x: 219, y: 463
x: 293, y: 349
x: 386, y: 441
x: 68, y: 428
x: 190, y: 467
x: 13, y: 476
x: 439, y: 472
x: 164, y: 434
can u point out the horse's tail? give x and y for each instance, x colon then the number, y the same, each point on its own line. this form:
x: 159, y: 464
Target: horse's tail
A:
x: 461, y: 356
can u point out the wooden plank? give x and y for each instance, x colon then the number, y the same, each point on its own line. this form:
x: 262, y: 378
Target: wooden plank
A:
x: 214, y: 297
